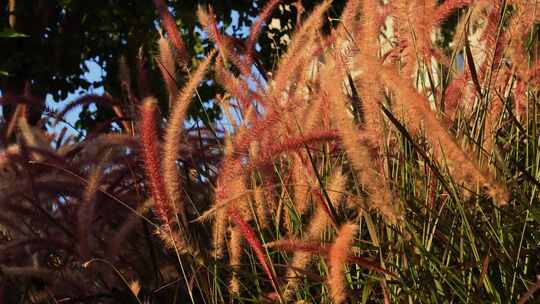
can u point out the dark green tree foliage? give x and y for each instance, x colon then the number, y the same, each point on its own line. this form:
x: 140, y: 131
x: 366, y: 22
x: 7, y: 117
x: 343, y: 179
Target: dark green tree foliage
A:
x: 62, y: 35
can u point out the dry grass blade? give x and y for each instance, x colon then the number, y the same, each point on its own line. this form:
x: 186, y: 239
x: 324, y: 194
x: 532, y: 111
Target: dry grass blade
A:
x: 526, y: 296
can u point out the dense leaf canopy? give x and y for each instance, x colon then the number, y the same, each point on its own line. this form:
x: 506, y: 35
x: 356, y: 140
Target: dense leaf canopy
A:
x: 50, y: 42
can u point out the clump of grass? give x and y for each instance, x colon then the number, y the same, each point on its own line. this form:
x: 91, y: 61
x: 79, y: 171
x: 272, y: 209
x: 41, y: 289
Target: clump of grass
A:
x: 369, y: 167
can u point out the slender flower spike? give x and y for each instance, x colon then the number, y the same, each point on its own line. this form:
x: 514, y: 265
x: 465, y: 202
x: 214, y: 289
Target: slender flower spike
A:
x: 173, y: 137
x: 339, y: 252
x: 254, y: 243
x: 169, y: 25
x: 152, y: 167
